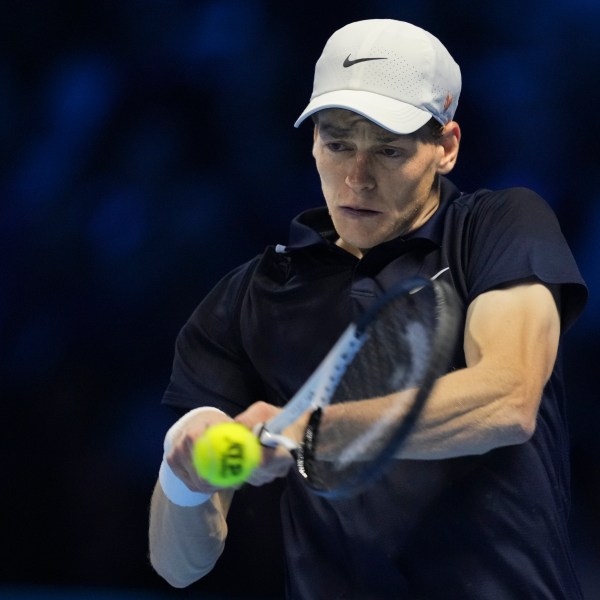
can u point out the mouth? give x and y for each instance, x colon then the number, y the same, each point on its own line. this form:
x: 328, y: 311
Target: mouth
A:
x: 353, y: 211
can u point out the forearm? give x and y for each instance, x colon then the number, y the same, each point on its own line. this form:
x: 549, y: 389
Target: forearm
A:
x: 465, y: 414
x: 186, y: 542
x: 510, y: 343
x: 510, y: 347
x: 472, y: 411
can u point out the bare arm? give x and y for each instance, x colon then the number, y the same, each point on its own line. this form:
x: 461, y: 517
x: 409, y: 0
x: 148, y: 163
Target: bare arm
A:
x: 510, y: 342
x: 186, y: 542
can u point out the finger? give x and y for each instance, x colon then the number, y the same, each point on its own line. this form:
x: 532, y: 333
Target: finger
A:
x: 259, y: 412
x: 181, y: 463
x: 276, y: 463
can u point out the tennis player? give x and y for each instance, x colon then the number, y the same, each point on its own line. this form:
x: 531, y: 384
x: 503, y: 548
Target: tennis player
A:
x: 476, y: 505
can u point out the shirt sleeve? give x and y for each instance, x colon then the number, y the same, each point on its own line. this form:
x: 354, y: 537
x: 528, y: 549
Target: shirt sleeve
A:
x: 515, y: 236
x: 210, y: 367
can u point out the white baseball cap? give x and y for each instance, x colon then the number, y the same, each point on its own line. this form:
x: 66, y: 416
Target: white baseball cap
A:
x: 390, y: 72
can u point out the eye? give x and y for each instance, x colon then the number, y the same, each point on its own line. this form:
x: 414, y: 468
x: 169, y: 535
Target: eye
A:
x: 390, y: 152
x: 336, y: 146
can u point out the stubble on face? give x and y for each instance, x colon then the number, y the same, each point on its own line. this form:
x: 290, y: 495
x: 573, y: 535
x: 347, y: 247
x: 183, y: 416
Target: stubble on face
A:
x: 377, y: 185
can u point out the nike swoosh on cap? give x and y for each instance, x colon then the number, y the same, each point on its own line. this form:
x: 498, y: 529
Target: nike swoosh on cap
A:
x: 348, y: 63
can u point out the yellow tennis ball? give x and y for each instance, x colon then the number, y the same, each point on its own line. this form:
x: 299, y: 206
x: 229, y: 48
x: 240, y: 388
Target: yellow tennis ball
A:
x: 226, y: 454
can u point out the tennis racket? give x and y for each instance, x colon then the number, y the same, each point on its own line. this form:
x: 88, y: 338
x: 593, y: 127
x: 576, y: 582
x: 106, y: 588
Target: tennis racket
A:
x: 378, y: 375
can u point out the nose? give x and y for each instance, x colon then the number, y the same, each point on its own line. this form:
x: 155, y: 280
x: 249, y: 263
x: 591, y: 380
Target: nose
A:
x: 360, y: 178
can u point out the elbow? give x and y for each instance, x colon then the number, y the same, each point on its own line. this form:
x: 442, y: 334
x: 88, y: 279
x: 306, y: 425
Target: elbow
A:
x: 192, y: 558
x: 176, y: 581
x: 173, y: 579
x: 522, y: 415
x: 528, y: 424
x: 185, y: 543
x: 181, y: 574
x: 522, y: 431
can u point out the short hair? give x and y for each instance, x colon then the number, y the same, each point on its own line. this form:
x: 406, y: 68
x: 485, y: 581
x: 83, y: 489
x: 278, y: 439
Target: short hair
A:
x: 430, y: 133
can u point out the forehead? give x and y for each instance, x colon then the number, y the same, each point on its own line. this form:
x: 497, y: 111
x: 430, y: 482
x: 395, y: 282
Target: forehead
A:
x: 344, y: 123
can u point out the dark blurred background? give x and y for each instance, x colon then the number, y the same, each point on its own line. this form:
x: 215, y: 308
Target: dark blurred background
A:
x: 147, y: 148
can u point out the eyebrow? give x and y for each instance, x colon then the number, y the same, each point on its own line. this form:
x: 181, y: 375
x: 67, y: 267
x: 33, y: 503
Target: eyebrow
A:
x: 344, y: 132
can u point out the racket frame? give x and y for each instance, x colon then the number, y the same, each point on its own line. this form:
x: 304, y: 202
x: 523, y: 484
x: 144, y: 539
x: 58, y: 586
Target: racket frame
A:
x: 317, y: 391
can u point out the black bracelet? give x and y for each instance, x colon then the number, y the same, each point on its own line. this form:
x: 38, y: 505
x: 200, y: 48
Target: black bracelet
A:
x: 306, y: 452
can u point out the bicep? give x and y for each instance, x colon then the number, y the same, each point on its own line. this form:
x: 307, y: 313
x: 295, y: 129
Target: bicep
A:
x: 515, y: 330
x: 510, y: 343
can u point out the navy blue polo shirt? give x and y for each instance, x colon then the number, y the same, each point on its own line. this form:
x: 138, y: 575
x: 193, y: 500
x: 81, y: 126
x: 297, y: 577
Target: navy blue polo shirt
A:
x: 488, y: 527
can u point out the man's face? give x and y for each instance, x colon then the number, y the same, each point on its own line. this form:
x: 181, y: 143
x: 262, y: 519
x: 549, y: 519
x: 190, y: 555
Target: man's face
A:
x: 377, y: 185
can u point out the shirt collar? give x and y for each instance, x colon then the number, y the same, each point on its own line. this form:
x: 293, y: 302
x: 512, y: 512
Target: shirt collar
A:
x: 314, y: 226
x: 433, y: 228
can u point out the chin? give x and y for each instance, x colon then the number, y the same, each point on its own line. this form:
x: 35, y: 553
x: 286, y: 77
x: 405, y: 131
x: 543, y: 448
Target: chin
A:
x: 356, y: 247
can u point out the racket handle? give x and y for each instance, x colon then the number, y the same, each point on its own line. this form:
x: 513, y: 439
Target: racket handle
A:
x: 272, y: 440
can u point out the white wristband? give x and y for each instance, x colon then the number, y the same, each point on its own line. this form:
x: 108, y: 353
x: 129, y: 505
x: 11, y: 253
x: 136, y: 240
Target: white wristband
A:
x: 174, y: 489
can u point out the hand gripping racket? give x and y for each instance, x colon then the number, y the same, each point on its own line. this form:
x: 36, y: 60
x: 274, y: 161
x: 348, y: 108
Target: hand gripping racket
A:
x: 381, y: 372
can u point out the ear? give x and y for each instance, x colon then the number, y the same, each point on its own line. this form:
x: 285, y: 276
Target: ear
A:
x: 450, y: 142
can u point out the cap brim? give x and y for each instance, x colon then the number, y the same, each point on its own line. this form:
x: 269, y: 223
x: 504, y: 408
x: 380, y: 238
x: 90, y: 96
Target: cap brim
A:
x: 393, y: 115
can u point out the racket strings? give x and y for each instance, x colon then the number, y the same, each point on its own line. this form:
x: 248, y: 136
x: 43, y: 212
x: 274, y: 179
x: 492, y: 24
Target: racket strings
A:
x: 395, y: 361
